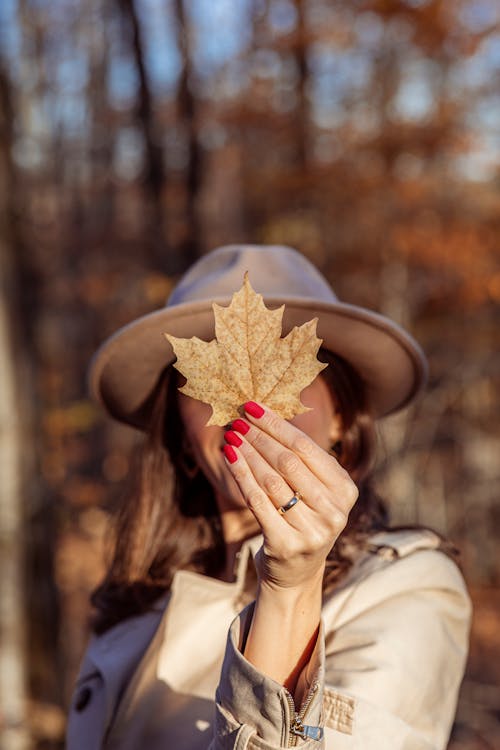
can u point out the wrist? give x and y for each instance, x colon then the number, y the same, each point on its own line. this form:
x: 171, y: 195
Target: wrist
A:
x: 284, y: 630
x: 304, y: 589
x: 306, y: 596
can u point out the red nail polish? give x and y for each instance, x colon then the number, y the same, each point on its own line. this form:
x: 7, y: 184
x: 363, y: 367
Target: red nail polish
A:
x: 253, y: 409
x: 240, y: 426
x: 232, y: 438
x: 230, y: 454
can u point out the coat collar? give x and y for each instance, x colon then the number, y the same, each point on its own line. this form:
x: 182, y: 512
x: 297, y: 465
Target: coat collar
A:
x: 244, y: 564
x: 105, y: 653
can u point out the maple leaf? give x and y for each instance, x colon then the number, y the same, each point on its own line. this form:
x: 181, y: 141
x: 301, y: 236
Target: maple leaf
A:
x: 248, y: 360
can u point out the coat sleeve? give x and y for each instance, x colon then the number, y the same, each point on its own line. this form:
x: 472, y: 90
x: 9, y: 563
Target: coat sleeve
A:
x: 386, y: 670
x: 254, y: 711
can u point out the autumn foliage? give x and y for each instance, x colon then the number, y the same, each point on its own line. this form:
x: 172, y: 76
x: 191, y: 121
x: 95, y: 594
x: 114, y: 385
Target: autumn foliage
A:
x: 134, y: 137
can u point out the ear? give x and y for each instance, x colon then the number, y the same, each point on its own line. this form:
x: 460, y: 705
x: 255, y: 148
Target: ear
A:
x: 336, y: 430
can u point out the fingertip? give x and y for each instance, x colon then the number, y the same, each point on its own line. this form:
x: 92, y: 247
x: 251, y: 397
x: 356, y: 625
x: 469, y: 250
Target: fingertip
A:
x: 232, y: 438
x: 230, y: 453
x: 254, y: 409
x: 240, y: 426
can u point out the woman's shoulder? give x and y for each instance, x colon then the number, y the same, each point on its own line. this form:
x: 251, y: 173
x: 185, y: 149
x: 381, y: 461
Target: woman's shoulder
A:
x: 412, y: 547
x: 398, y: 562
x: 404, y: 551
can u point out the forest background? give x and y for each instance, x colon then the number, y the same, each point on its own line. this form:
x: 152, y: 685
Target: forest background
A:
x: 135, y: 135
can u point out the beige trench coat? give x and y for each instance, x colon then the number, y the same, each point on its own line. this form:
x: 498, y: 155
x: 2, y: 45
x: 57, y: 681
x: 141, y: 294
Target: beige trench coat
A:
x: 385, y: 672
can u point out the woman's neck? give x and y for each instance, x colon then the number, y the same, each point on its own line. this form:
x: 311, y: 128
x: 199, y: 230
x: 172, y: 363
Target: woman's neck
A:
x: 238, y: 524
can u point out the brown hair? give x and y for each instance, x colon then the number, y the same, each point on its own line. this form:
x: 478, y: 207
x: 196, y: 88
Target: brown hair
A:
x: 170, y: 518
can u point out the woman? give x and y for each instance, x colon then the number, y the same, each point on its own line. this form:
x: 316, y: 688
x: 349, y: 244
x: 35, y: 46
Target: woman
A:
x: 257, y: 597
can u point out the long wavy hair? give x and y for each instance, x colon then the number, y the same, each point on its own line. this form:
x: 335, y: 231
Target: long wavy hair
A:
x: 169, y: 519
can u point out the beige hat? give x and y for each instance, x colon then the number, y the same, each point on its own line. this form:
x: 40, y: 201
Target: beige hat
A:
x: 125, y: 369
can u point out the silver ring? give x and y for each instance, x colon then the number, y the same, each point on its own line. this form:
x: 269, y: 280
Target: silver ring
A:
x: 293, y: 501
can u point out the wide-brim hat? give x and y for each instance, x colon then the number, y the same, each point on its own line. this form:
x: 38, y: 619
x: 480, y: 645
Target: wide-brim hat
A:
x: 125, y: 370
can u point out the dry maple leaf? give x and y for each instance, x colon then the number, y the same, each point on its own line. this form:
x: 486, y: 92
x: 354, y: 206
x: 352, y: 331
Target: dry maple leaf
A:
x: 248, y: 360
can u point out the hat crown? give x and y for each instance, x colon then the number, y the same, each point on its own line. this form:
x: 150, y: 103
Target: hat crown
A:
x: 274, y: 271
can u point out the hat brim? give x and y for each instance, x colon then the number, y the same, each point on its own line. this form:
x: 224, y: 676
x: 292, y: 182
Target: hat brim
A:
x: 125, y: 369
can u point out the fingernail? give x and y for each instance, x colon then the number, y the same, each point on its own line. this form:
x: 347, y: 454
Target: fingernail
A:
x: 232, y: 438
x: 230, y: 454
x: 253, y: 409
x: 240, y: 426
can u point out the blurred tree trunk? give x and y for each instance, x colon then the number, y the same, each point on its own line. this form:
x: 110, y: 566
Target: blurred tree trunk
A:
x: 28, y: 273
x: 14, y: 458
x: 302, y: 111
x: 154, y: 171
x: 100, y: 144
x: 189, y: 248
x: 154, y: 164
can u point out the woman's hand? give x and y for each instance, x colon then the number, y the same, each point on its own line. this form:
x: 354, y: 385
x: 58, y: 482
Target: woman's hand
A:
x: 271, y: 460
x: 274, y: 461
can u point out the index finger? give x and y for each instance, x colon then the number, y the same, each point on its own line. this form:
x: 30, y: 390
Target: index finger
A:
x: 322, y: 464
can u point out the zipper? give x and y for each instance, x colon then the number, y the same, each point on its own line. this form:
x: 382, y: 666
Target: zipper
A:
x: 297, y: 726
